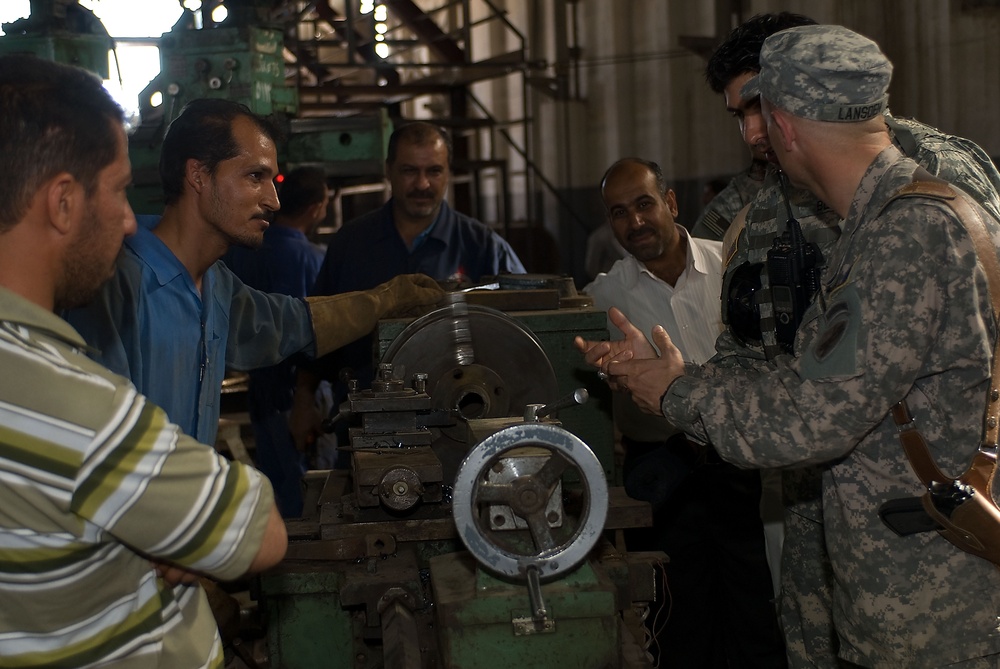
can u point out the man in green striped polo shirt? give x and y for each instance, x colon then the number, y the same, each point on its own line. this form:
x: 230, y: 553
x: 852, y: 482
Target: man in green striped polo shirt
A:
x: 107, y: 511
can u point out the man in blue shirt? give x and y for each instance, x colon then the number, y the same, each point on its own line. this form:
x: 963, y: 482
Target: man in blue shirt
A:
x: 415, y: 231
x: 174, y: 317
x: 286, y: 263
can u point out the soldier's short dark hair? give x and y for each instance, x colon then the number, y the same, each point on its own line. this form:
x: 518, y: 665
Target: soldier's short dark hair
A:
x: 740, y: 52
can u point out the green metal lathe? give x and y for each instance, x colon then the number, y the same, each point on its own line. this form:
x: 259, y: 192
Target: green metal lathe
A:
x: 474, y: 528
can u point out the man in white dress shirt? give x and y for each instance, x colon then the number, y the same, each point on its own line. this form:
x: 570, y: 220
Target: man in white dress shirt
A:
x: 706, y: 514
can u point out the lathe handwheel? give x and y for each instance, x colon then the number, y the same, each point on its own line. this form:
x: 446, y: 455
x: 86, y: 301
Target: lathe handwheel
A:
x: 528, y: 496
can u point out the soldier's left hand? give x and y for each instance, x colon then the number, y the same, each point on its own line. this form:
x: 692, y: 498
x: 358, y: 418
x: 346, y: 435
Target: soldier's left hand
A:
x: 647, y: 379
x: 600, y: 353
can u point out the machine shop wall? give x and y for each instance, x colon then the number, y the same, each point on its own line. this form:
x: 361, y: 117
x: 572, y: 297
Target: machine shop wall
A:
x: 632, y: 89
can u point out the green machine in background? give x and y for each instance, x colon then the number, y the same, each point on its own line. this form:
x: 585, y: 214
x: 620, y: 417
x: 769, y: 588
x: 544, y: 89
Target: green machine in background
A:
x: 63, y: 31
x: 239, y: 59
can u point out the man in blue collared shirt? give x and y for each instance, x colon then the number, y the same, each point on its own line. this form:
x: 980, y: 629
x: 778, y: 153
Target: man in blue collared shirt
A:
x: 415, y: 231
x: 174, y: 316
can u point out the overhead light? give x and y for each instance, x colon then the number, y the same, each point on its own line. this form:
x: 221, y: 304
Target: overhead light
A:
x: 156, y: 99
x: 382, y: 49
x: 381, y: 13
x: 192, y: 5
x: 219, y: 14
x: 381, y: 28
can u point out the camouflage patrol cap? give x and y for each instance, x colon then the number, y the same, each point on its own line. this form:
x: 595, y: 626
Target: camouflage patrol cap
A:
x: 823, y: 72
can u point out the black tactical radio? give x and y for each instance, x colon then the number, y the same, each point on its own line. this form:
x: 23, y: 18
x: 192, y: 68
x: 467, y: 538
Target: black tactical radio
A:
x: 793, y: 271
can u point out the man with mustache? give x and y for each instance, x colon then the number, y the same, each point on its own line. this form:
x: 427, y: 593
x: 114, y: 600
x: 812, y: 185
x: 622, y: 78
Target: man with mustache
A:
x: 415, y: 231
x: 175, y: 317
x: 706, y: 512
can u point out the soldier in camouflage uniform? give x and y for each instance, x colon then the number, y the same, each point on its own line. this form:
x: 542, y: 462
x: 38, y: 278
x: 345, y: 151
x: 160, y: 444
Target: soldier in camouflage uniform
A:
x: 904, y: 312
x: 806, y: 578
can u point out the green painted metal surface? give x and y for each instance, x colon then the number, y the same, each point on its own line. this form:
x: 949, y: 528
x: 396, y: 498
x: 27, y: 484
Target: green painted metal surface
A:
x: 87, y: 51
x: 306, y: 624
x: 346, y: 147
x: 477, y: 615
x: 244, y: 64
